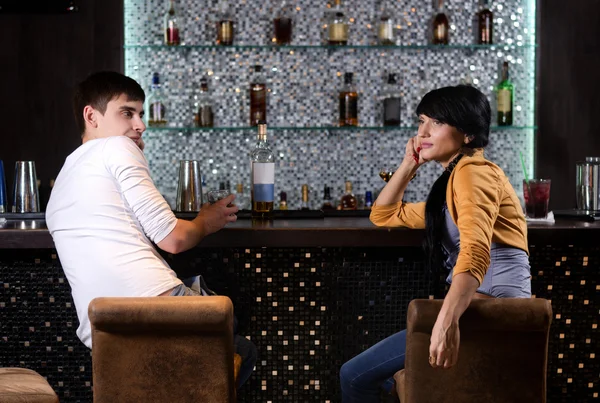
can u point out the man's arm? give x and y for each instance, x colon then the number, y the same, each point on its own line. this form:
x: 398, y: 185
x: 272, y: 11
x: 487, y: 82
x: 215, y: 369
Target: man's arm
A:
x: 188, y: 234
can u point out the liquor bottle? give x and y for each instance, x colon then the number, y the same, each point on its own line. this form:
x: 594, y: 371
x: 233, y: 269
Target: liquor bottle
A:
x: 368, y: 200
x: 392, y: 102
x: 385, y: 29
x: 258, y: 96
x: 327, y: 205
x: 262, y: 176
x: 485, y: 23
x: 348, y: 201
x: 157, y: 113
x: 348, y: 100
x: 171, y: 28
x: 225, y: 25
x: 304, y: 205
x: 283, y: 201
x: 203, y: 106
x: 505, y: 92
x: 283, y: 25
x: 440, y: 25
x: 337, y: 26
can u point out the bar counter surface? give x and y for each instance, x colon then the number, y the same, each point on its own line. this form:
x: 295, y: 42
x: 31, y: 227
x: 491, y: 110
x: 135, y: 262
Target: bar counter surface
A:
x: 310, y: 232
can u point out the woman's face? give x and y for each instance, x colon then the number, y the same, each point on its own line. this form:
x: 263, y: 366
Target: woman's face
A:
x: 438, y: 141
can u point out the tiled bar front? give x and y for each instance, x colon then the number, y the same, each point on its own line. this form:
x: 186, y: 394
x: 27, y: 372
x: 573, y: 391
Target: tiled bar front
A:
x: 308, y: 309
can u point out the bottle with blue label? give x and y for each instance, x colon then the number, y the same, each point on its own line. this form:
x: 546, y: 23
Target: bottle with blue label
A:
x: 262, y: 176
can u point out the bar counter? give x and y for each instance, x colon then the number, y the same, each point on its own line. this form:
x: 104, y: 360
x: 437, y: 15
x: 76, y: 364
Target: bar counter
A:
x: 310, y: 293
x: 324, y: 232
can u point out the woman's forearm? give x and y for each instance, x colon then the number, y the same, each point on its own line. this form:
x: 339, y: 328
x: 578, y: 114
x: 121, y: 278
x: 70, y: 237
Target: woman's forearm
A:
x: 459, y: 296
x: 393, y: 192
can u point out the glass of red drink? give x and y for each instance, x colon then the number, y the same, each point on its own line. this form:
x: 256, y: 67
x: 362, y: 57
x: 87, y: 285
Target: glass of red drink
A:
x: 537, y: 196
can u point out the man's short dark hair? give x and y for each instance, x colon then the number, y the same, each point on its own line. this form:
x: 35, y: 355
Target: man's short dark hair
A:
x: 99, y: 89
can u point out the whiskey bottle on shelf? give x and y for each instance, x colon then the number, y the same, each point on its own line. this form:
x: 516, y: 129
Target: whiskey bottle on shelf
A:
x: 157, y: 112
x: 441, y: 25
x: 348, y: 201
x: 283, y: 201
x: 348, y: 102
x: 262, y: 176
x: 485, y: 22
x: 504, y: 94
x: 225, y: 25
x: 258, y: 96
x: 385, y: 29
x: 171, y: 27
x: 337, y: 25
x: 203, y: 106
x: 282, y: 25
x: 304, y: 204
x: 392, y: 102
x: 327, y: 204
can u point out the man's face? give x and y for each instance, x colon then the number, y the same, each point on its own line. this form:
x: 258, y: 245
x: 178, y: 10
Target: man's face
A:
x: 122, y: 118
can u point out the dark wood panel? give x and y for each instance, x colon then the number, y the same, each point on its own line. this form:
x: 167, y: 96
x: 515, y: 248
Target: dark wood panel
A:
x: 42, y: 58
x: 569, y: 86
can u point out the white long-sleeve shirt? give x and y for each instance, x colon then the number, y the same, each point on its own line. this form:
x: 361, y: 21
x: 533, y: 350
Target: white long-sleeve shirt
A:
x: 103, y: 213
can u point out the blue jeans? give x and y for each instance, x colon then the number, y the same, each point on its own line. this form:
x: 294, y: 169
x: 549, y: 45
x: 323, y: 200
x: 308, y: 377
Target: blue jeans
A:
x: 363, y: 376
x: 244, y: 347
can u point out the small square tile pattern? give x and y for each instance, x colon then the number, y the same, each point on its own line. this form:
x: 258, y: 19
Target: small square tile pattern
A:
x: 304, y: 83
x: 307, y: 311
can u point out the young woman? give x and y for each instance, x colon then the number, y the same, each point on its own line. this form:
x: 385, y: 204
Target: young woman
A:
x: 474, y: 228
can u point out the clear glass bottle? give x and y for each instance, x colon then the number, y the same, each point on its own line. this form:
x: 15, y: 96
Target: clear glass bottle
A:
x: 385, y: 29
x: 348, y: 102
x: 392, y: 102
x: 225, y: 25
x: 337, y: 25
x: 283, y: 25
x: 304, y: 205
x: 283, y: 201
x: 327, y: 204
x: 441, y: 25
x: 203, y: 106
x: 262, y: 176
x: 504, y: 94
x: 171, y: 26
x: 485, y: 19
x: 348, y: 201
x: 258, y: 96
x: 157, y: 112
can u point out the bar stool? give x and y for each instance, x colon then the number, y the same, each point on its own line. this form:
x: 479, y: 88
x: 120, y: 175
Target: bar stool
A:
x: 21, y: 385
x: 502, y: 357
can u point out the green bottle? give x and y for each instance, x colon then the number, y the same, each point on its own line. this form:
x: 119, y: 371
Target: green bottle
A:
x: 504, y: 94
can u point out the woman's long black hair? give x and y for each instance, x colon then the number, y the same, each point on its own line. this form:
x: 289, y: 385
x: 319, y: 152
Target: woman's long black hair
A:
x: 465, y: 108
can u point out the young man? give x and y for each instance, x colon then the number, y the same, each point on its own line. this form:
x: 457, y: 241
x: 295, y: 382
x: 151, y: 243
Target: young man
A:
x: 104, y: 211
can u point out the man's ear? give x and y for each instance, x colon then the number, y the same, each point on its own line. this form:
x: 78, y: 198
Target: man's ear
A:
x: 468, y: 139
x: 90, y: 115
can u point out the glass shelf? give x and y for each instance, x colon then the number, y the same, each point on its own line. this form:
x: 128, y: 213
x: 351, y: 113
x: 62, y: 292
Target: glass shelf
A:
x: 318, y: 128
x: 504, y: 46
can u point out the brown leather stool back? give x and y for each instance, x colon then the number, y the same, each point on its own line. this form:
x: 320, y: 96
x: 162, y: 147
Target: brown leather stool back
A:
x: 22, y: 385
x: 502, y: 356
x: 162, y: 349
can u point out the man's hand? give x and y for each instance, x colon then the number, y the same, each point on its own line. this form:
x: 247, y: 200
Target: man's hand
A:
x: 213, y: 217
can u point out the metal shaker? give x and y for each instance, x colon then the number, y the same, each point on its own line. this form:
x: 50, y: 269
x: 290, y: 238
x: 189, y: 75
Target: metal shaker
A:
x: 588, y: 184
x: 3, y: 207
x: 189, y: 188
x: 25, y: 196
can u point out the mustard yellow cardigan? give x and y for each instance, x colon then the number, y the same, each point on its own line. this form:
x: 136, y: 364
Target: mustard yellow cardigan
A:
x: 482, y: 204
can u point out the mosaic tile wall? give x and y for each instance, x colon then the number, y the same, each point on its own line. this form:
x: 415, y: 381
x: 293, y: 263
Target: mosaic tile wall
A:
x: 307, y: 310
x: 304, y: 83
